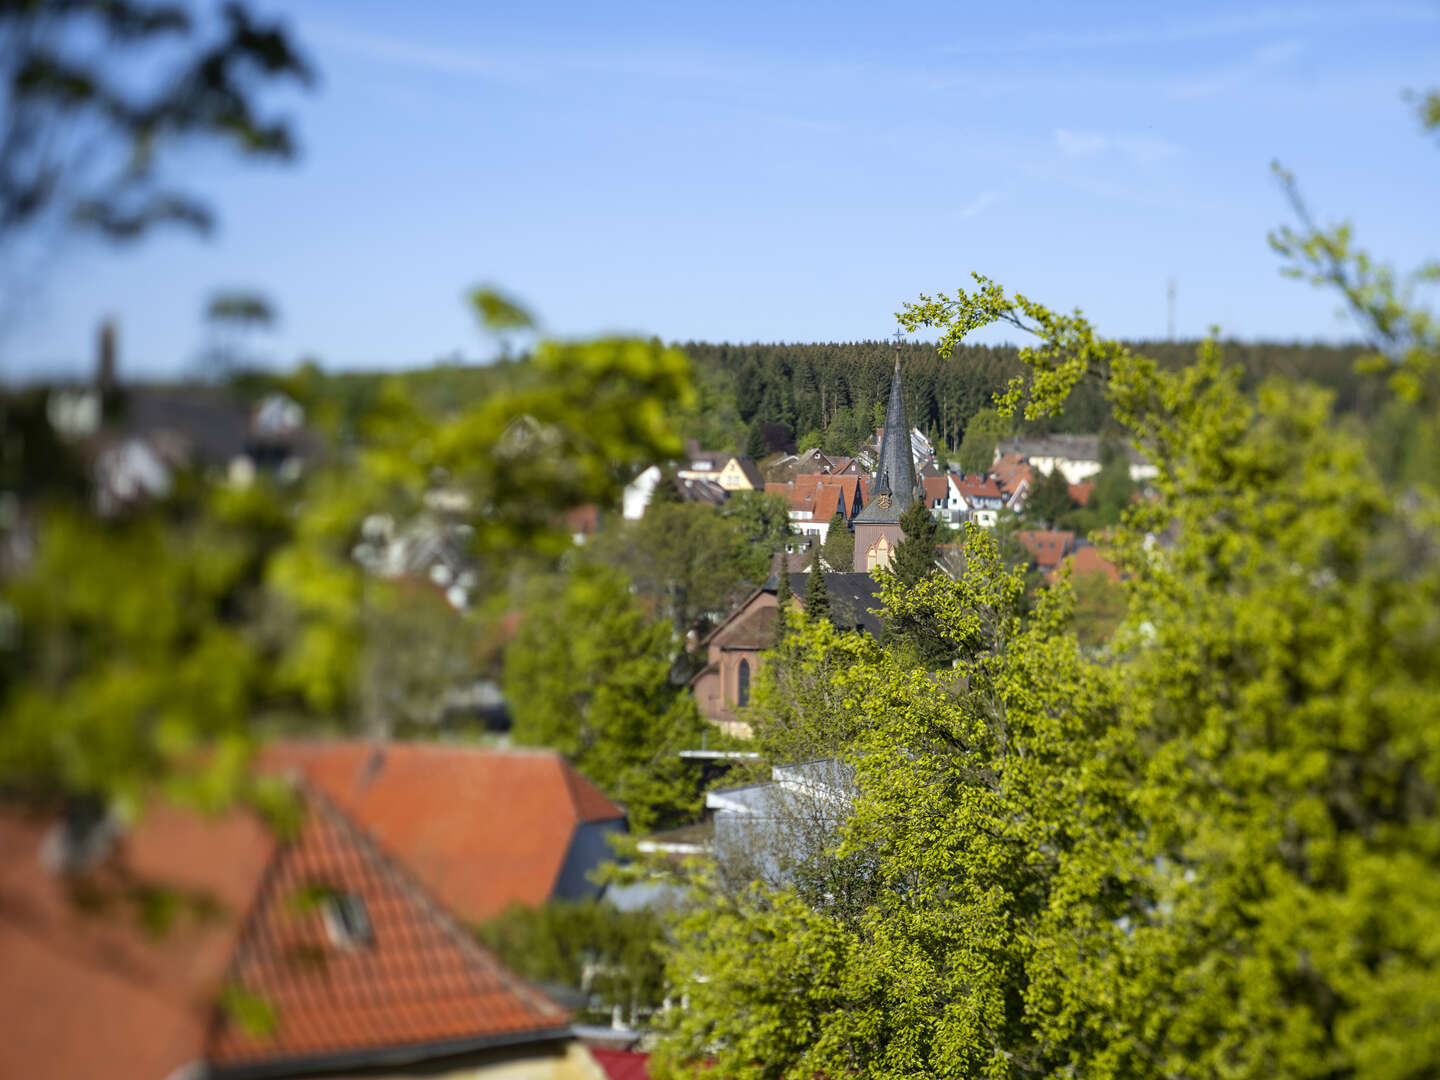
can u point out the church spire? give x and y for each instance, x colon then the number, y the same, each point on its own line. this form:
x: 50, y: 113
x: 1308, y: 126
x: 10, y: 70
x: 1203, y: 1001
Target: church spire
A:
x: 895, y: 471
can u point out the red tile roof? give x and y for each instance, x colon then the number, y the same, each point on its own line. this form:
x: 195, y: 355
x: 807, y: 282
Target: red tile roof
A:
x: 481, y: 828
x: 978, y: 487
x: 87, y: 990
x: 936, y: 487
x: 1010, y: 472
x: 1047, y: 546
x: 1080, y: 493
x: 421, y: 980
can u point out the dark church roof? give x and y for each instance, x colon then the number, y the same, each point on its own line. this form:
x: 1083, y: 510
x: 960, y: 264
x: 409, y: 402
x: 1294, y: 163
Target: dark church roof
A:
x: 851, y: 598
x: 895, y: 470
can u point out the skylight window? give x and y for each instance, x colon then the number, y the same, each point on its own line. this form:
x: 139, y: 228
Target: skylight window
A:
x: 347, y: 922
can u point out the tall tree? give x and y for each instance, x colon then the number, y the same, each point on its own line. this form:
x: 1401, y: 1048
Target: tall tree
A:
x: 839, y: 547
x: 589, y: 675
x: 1186, y: 859
x: 1049, y: 499
x: 977, y: 448
x: 915, y: 555
x: 817, y: 598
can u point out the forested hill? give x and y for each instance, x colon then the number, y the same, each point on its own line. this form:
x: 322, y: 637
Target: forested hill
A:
x: 832, y: 394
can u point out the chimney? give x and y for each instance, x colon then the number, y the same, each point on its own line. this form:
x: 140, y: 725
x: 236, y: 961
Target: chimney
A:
x: 105, y: 365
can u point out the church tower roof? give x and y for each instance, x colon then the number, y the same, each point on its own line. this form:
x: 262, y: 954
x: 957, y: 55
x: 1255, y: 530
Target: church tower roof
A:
x: 894, y: 486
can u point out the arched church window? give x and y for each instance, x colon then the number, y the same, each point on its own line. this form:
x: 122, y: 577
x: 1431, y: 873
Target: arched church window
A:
x: 742, y: 696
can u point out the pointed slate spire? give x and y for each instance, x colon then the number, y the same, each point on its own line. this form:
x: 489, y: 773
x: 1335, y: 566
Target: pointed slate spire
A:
x: 895, y: 471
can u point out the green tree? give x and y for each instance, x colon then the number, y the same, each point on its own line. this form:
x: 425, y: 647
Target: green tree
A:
x: 1099, y: 608
x: 764, y: 522
x: 977, y: 449
x: 755, y: 446
x: 1114, y: 489
x: 839, y: 547
x: 817, y: 598
x: 586, y: 946
x: 915, y: 555
x: 1048, y: 501
x: 1211, y: 853
x: 693, y: 561
x: 589, y: 675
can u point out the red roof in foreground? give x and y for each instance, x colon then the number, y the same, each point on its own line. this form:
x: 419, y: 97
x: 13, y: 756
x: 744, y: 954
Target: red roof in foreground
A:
x: 87, y: 990
x: 622, y: 1064
x: 482, y: 829
x: 422, y: 980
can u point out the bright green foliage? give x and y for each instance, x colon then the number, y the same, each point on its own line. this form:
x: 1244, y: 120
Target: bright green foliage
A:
x: 1214, y: 852
x: 589, y: 675
x: 977, y: 450
x: 587, y: 946
x: 126, y: 651
x: 131, y: 646
x: 839, y: 547
x: 802, y: 703
x: 1114, y: 489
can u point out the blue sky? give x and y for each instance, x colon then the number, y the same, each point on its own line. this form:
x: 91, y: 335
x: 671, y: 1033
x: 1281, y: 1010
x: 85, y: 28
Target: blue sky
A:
x: 774, y: 171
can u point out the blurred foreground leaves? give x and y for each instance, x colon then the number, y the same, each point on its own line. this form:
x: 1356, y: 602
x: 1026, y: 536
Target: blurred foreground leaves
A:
x: 152, y: 648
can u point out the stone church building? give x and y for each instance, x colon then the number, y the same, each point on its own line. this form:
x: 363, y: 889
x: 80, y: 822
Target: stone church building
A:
x: 892, y: 489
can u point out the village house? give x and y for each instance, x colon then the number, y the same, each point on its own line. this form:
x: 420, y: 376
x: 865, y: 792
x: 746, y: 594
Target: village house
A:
x: 1076, y: 456
x: 729, y: 471
x: 946, y: 501
x: 815, y: 498
x: 204, y: 946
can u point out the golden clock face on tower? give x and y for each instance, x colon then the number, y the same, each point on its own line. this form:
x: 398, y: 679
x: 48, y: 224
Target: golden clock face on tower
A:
x: 884, y: 502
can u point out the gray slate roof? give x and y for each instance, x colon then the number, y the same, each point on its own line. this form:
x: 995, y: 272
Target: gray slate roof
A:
x: 895, y: 470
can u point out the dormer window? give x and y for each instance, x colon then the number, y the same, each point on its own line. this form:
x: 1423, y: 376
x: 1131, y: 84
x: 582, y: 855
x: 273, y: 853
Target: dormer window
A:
x: 347, y: 922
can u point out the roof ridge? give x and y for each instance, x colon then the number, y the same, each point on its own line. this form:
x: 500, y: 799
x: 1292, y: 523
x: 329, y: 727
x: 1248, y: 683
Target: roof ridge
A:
x: 416, y: 891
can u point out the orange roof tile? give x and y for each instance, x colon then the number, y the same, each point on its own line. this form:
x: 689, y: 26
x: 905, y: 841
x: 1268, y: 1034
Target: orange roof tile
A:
x: 420, y: 980
x: 980, y: 487
x: 936, y: 487
x: 481, y: 828
x: 1046, y: 546
x: 1080, y: 493
x: 87, y: 989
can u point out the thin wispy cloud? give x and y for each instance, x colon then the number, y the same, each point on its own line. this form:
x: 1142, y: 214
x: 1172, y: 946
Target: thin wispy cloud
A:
x: 980, y: 204
x: 1262, y: 61
x: 1139, y: 149
x: 1179, y: 32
